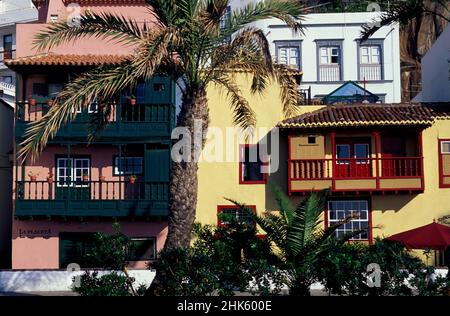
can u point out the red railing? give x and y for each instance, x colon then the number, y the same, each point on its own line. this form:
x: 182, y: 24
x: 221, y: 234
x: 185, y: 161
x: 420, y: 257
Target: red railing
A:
x: 355, y: 168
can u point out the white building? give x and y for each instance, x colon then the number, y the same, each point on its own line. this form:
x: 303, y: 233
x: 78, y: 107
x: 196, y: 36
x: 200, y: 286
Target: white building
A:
x: 11, y: 12
x: 329, y: 52
x: 436, y: 71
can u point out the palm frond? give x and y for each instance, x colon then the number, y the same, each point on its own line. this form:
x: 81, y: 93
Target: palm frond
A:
x: 404, y: 12
x: 243, y: 114
x: 99, y: 25
x: 291, y: 12
x: 288, y: 89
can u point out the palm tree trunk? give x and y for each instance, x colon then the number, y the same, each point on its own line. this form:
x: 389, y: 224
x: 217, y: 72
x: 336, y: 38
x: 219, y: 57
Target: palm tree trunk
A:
x: 184, y: 182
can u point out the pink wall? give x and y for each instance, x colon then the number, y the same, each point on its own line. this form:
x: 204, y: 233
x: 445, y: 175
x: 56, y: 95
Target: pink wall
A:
x: 26, y: 32
x: 36, y: 243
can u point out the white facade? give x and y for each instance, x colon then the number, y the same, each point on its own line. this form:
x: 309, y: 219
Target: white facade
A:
x: 11, y: 12
x: 330, y: 54
x: 436, y: 71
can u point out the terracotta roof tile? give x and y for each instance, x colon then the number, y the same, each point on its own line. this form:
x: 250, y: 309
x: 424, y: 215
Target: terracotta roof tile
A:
x: 370, y: 114
x: 66, y: 60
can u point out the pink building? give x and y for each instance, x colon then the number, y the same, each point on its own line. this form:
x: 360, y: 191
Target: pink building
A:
x: 74, y: 190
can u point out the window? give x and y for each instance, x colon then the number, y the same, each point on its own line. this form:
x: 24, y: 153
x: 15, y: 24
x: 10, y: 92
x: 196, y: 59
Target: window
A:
x: 53, y: 18
x: 361, y: 151
x: 288, y: 53
x: 329, y: 55
x: 289, y: 56
x: 74, y: 248
x: 7, y: 46
x: 128, y: 165
x: 7, y: 79
x: 370, y: 54
x: 370, y: 60
x: 329, y: 60
x: 226, y: 212
x: 339, y: 210
x: 142, y: 249
x: 444, y: 163
x: 252, y: 166
x: 312, y: 139
x: 342, y: 152
x: 70, y: 171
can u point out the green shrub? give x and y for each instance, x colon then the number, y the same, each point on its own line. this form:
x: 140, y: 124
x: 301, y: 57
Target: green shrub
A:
x: 111, y: 284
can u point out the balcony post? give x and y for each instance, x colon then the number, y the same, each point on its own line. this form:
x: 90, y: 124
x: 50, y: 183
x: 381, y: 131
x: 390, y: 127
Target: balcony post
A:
x: 377, y: 157
x: 422, y: 173
x: 120, y: 173
x: 333, y: 160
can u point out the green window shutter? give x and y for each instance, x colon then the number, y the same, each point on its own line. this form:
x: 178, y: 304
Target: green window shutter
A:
x: 157, y: 171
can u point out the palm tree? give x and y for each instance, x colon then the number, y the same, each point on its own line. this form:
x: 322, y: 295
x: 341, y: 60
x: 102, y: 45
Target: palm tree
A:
x: 188, y: 44
x: 298, y: 238
x: 405, y: 12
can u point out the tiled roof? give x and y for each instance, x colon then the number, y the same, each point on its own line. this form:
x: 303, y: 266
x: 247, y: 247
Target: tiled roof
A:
x: 370, y: 114
x: 66, y: 60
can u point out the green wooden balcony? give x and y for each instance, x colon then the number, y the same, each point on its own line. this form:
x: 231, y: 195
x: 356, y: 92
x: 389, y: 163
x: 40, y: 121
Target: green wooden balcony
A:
x: 38, y: 199
x: 126, y: 121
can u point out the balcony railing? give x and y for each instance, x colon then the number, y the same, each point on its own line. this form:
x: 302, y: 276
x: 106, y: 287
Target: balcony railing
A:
x: 124, y: 120
x: 330, y: 72
x: 91, y: 198
x: 349, y: 174
x: 370, y: 72
x: 8, y: 54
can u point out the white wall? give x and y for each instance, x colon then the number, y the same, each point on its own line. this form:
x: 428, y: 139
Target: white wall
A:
x: 339, y: 26
x: 436, y: 71
x: 55, y: 280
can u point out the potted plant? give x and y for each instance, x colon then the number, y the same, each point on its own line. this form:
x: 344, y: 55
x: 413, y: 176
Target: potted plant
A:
x: 50, y: 178
x: 132, y: 100
x: 102, y: 179
x: 33, y: 176
x: 85, y: 177
x: 32, y: 101
x: 132, y: 179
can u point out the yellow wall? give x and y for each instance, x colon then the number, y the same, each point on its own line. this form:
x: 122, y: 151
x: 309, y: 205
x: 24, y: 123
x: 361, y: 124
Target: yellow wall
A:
x: 393, y: 213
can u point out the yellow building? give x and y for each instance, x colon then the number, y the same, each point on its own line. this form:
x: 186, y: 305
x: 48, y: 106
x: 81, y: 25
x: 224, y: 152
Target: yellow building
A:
x: 390, y: 163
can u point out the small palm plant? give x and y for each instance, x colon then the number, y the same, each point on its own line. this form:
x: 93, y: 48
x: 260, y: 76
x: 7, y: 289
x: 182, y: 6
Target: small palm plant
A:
x: 297, y: 237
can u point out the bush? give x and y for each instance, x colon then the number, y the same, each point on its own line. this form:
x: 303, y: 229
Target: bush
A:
x: 343, y: 271
x: 222, y: 260
x: 111, y: 284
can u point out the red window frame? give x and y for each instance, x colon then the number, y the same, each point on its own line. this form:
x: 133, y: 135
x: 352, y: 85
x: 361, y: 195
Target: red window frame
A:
x: 227, y: 207
x: 241, y: 181
x: 369, y: 216
x: 441, y: 163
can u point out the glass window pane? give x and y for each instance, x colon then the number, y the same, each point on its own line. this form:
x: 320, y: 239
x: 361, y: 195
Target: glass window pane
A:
x: 445, y: 147
x: 361, y: 150
x: 343, y: 151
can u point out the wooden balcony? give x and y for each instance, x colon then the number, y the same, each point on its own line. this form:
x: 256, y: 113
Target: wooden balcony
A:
x: 139, y: 121
x: 91, y: 199
x: 355, y: 174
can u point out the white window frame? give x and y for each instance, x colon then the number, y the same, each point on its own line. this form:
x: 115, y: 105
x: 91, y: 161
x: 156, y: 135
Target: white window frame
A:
x: 75, y: 181
x: 345, y: 210
x: 329, y: 54
x: 238, y: 214
x: 117, y: 172
x: 370, y: 55
x: 442, y: 147
x: 288, y: 49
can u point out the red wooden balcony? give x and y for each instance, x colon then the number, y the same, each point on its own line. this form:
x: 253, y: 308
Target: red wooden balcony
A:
x: 356, y: 174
